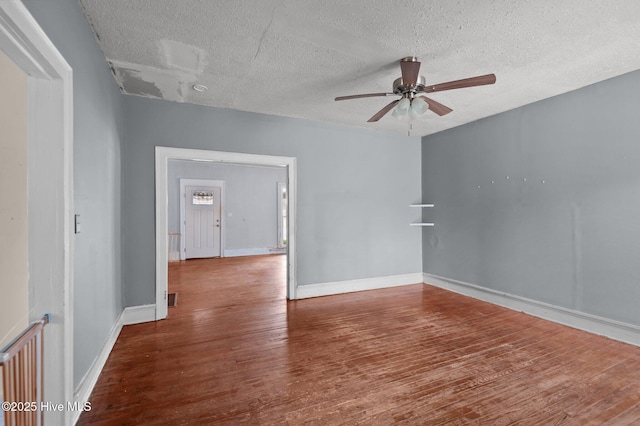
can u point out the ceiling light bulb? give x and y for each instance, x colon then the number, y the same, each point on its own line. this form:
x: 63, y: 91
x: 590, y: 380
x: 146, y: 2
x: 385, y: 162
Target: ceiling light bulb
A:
x: 402, y: 108
x: 418, y: 107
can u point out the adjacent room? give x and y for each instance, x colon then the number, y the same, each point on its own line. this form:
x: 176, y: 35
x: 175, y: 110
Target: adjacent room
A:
x: 362, y: 212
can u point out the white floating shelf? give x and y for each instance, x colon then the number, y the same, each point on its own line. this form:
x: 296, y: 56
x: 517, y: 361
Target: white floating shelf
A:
x: 422, y: 223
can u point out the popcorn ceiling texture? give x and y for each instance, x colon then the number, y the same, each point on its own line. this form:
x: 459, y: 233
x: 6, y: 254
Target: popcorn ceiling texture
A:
x: 292, y: 58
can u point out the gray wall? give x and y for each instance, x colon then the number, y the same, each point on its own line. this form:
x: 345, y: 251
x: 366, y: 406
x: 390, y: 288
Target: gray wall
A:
x: 98, y: 140
x: 250, y: 197
x: 354, y: 188
x: 563, y: 227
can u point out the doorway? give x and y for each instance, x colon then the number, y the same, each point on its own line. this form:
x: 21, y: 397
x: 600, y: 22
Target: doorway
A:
x: 202, y: 222
x: 163, y: 155
x: 201, y: 219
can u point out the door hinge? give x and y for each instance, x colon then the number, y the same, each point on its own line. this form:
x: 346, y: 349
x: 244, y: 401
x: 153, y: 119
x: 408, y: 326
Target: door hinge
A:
x: 165, y: 295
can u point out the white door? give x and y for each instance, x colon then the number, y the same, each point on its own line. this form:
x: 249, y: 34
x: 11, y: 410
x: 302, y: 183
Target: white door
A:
x: 202, y: 222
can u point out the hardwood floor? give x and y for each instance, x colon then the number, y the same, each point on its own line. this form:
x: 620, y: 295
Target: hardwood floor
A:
x: 233, y: 351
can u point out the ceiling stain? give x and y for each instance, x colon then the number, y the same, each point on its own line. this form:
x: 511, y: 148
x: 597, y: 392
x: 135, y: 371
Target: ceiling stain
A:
x: 171, y: 85
x: 133, y: 84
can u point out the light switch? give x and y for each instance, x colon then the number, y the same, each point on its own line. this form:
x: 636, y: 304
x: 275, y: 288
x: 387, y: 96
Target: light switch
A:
x: 77, y: 223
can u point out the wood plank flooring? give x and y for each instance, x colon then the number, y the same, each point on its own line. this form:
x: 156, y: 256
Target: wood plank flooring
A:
x: 233, y: 351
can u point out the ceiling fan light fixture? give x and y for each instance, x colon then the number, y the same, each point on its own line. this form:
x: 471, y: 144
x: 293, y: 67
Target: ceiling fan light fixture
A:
x: 402, y: 108
x: 418, y: 107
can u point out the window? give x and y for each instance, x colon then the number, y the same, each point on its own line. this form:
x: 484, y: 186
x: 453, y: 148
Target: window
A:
x: 202, y: 198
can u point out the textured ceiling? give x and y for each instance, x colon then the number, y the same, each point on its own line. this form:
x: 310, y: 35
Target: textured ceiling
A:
x: 293, y: 57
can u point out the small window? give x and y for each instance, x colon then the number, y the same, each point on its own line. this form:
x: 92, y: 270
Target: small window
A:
x: 202, y: 198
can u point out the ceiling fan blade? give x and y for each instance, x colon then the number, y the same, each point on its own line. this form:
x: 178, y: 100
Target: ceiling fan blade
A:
x: 378, y: 115
x: 410, y: 70
x: 459, y: 84
x: 366, y: 95
x: 436, y: 106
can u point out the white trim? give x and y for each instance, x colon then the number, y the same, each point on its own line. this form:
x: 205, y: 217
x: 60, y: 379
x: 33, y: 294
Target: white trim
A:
x: 258, y: 251
x: 129, y: 315
x: 280, y: 188
x: 88, y: 382
x: 613, y: 329
x: 184, y: 182
x: 27, y: 45
x: 51, y: 123
x: 138, y: 314
x: 340, y: 287
x: 162, y: 157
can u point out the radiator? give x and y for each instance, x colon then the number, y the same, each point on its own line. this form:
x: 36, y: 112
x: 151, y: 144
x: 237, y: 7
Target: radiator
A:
x: 22, y: 365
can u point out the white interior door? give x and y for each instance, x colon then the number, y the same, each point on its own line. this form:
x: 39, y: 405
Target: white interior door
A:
x: 202, y: 221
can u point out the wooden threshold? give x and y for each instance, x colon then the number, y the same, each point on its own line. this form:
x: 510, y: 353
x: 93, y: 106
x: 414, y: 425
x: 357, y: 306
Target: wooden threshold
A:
x: 235, y: 352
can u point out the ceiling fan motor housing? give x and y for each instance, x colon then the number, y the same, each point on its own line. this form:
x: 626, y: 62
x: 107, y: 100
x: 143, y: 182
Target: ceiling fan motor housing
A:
x: 399, y: 88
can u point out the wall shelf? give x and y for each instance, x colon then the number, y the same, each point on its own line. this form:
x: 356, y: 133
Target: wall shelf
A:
x: 422, y: 223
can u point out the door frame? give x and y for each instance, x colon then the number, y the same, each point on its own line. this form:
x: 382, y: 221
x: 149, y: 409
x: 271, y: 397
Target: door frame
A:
x: 279, y: 217
x: 184, y: 183
x: 50, y: 176
x: 162, y: 157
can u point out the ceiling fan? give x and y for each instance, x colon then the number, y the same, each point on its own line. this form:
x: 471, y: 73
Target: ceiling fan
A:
x: 410, y: 87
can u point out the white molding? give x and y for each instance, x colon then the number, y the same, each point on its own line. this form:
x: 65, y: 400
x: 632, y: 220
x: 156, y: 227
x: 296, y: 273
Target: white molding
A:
x: 280, y: 188
x: 612, y: 329
x: 258, y: 251
x: 162, y: 157
x: 27, y: 45
x: 129, y: 315
x: 162, y: 228
x: 138, y: 314
x: 340, y: 287
x: 88, y: 382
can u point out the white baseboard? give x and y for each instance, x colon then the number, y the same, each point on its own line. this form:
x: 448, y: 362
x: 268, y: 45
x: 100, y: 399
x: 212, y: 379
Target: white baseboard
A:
x: 84, y: 389
x: 138, y: 314
x: 129, y: 315
x: 339, y: 287
x: 246, y: 252
x: 612, y: 329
